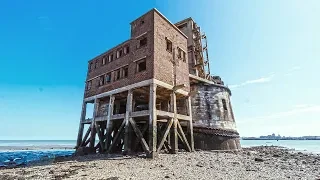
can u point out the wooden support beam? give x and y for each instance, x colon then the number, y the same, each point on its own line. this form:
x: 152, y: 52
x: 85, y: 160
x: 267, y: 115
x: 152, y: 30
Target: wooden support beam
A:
x: 165, y: 134
x: 143, y: 131
x: 179, y: 136
x: 86, y: 136
x: 128, y: 132
x: 190, y: 125
x: 180, y: 86
x: 173, y: 135
x: 109, y: 123
x: 167, y: 145
x: 81, y: 125
x: 117, y: 136
x: 184, y: 139
x: 87, y: 142
x: 100, y: 135
x: 93, y: 130
x: 144, y: 144
x: 152, y: 121
x: 139, y: 113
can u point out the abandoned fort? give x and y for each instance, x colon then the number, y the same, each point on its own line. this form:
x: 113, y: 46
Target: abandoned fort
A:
x: 154, y: 93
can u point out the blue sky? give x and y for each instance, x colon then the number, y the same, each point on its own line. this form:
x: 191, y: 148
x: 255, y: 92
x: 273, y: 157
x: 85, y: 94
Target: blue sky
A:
x: 266, y: 51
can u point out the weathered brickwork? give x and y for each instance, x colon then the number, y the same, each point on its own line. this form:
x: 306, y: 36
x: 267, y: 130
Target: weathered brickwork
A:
x: 159, y: 62
x: 186, y: 27
x: 164, y: 60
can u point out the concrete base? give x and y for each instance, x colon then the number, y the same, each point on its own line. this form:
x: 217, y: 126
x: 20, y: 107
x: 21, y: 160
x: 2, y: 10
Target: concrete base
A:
x: 215, y: 142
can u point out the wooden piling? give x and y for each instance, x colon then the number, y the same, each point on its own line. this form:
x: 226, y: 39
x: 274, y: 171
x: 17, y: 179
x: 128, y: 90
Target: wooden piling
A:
x: 152, y: 121
x: 128, y: 132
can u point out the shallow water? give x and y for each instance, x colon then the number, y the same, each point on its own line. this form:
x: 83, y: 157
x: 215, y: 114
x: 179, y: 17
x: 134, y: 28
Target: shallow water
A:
x: 25, y: 157
x: 312, y: 146
x: 26, y: 143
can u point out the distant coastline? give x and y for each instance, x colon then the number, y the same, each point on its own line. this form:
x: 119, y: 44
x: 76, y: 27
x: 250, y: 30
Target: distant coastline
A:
x: 282, y: 138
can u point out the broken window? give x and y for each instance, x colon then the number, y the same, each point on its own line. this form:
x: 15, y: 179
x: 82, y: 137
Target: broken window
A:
x: 110, y: 57
x: 119, y: 53
x: 179, y: 53
x: 125, y: 72
x: 117, y: 74
x: 108, y: 78
x: 224, y: 104
x: 142, y: 42
x: 126, y: 50
x: 169, y: 45
x: 141, y: 65
x: 104, y: 60
x: 91, y: 66
x: 89, y: 84
x: 101, y: 81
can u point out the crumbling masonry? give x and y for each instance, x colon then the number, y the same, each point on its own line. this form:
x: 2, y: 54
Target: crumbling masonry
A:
x: 154, y: 93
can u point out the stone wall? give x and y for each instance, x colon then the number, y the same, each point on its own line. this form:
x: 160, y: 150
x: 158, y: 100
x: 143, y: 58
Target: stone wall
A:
x: 213, y: 120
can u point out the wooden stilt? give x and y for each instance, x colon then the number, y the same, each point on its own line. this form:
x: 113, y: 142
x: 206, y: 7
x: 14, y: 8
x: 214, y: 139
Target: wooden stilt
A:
x: 165, y: 134
x: 190, y: 125
x: 128, y: 132
x: 117, y: 136
x: 93, y: 129
x: 144, y: 129
x: 109, y: 123
x: 87, y: 142
x: 86, y: 136
x: 100, y: 136
x: 144, y: 144
x: 81, y: 125
x: 152, y: 121
x: 183, y: 138
x: 173, y: 135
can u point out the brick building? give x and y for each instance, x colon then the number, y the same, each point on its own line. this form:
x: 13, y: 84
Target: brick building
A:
x: 141, y: 91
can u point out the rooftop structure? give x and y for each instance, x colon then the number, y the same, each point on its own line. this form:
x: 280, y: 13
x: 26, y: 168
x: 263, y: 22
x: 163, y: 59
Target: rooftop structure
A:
x: 148, y: 91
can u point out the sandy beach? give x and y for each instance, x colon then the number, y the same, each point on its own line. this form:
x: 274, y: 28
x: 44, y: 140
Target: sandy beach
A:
x: 249, y: 163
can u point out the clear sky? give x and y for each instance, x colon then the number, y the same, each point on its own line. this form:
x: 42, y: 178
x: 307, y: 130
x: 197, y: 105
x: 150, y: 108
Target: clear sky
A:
x: 266, y: 51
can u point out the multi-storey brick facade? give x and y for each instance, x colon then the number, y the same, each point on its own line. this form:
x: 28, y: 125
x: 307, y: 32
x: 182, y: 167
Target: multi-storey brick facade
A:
x: 156, y: 82
x: 148, y: 43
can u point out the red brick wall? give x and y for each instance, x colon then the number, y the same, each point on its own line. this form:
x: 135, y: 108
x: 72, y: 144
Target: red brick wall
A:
x: 163, y: 66
x: 158, y: 61
x: 134, y: 54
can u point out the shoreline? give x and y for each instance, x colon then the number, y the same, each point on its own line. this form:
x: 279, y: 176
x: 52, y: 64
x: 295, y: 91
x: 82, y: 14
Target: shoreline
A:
x: 249, y: 163
x: 40, y: 147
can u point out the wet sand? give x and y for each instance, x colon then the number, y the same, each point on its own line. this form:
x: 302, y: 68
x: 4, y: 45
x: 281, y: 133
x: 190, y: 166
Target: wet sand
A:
x: 250, y: 163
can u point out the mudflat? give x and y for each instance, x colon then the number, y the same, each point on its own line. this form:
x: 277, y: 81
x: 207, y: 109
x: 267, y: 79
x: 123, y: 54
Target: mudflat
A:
x: 249, y: 163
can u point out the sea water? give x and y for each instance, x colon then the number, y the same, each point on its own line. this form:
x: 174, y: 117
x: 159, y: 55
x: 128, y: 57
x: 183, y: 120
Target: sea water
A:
x: 24, y: 152
x: 46, y: 150
x: 310, y: 146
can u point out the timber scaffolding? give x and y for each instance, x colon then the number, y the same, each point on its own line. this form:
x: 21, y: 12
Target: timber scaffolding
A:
x: 150, y: 130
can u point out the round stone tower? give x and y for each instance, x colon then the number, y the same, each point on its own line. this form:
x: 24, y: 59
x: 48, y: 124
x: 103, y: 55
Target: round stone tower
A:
x: 213, y: 120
